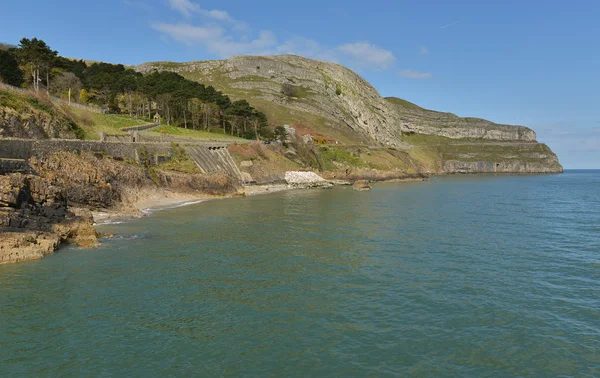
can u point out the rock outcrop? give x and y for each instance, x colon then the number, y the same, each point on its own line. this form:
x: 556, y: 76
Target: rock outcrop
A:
x: 306, y: 180
x: 361, y: 185
x: 415, y: 119
x: 35, y: 219
x: 34, y: 118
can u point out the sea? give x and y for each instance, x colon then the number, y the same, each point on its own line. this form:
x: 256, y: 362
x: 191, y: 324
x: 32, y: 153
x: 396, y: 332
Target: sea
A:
x: 459, y: 276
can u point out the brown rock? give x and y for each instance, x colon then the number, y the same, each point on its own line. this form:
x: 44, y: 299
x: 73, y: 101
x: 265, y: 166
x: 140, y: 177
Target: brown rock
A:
x: 361, y: 185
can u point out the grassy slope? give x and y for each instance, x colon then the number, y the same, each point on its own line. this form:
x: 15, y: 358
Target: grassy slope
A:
x: 94, y: 123
x: 404, y: 103
x: 28, y: 104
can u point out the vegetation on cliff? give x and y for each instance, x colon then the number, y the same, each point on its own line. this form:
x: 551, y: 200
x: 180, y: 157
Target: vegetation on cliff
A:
x: 333, y: 104
x: 121, y: 90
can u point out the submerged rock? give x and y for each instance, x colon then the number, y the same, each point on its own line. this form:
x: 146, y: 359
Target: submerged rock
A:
x: 361, y: 185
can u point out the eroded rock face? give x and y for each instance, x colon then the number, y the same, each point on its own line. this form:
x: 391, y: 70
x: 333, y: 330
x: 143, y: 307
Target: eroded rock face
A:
x: 34, y: 219
x: 423, y: 121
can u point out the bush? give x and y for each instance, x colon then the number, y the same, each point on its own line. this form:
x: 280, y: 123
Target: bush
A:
x: 338, y: 90
x: 289, y: 90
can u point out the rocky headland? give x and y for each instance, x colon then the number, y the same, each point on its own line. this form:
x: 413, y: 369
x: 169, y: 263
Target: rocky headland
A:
x: 341, y: 131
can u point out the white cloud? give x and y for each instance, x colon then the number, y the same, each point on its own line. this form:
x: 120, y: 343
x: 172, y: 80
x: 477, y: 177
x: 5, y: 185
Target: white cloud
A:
x: 188, y: 9
x: 189, y: 34
x: 222, y: 35
x: 410, y: 74
x: 185, y: 7
x: 219, y: 15
x: 423, y: 50
x: 365, y: 54
x: 216, y: 40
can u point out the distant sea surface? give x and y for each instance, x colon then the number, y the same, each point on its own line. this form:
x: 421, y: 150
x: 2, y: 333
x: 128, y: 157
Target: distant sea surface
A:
x: 459, y: 276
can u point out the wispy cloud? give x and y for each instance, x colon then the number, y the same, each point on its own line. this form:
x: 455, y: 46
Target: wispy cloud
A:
x: 423, y: 50
x: 223, y: 35
x: 216, y: 40
x: 452, y: 24
x: 188, y: 9
x: 411, y: 74
x: 185, y: 7
x: 368, y: 55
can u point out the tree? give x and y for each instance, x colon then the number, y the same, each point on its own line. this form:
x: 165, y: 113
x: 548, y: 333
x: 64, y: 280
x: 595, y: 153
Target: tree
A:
x: 209, y: 113
x: 36, y: 54
x: 67, y: 82
x: 10, y: 73
x: 84, y: 96
x: 281, y: 135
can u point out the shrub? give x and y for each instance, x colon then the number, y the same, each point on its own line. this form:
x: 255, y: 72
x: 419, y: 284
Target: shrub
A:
x: 289, y: 90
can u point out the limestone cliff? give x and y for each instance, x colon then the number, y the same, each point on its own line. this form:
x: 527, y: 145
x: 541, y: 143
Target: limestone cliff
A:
x: 416, y: 119
x: 330, y: 100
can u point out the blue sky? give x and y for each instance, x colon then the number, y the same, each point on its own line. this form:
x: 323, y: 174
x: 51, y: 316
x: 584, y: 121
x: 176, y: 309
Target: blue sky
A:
x: 534, y: 63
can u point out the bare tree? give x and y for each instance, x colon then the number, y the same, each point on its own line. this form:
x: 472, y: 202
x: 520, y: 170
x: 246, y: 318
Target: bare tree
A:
x: 67, y: 81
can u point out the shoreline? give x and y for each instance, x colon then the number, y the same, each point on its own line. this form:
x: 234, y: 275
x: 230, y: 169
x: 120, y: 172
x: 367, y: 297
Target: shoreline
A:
x: 132, y: 209
x: 149, y: 206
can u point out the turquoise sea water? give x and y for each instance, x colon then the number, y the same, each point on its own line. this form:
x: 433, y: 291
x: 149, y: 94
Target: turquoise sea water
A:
x: 459, y: 276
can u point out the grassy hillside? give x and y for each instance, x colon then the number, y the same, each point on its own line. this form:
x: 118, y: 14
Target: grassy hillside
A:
x: 404, y: 103
x: 32, y: 115
x: 301, y: 110
x: 94, y: 123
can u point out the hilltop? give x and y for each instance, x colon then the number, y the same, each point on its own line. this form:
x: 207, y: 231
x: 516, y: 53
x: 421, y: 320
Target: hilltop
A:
x: 327, y: 99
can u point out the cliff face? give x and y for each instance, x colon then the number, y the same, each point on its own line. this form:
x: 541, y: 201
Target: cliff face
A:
x: 423, y: 121
x: 331, y: 100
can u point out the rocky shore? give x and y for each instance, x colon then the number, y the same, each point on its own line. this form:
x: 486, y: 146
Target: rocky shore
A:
x: 66, y: 194
x: 35, y: 219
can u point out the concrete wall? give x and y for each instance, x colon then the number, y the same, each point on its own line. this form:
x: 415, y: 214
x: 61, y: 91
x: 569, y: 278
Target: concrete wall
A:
x: 26, y: 148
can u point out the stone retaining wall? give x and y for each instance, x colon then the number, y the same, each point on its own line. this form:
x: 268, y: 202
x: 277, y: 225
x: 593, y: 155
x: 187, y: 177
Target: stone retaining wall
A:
x: 26, y: 148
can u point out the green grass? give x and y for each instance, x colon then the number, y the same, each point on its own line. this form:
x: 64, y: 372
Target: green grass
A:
x: 180, y: 162
x: 189, y: 133
x: 22, y: 102
x: 329, y: 155
x: 404, y: 103
x: 94, y: 123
